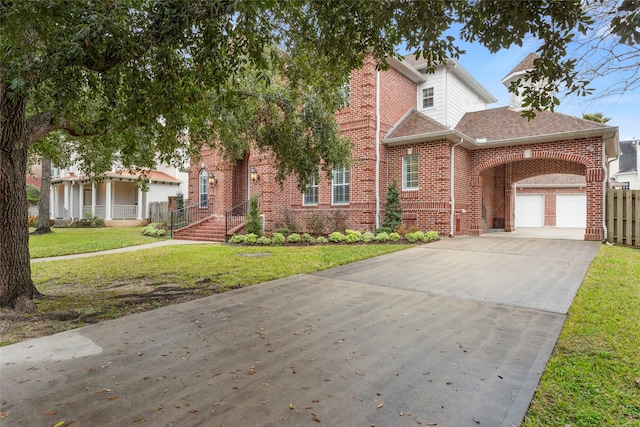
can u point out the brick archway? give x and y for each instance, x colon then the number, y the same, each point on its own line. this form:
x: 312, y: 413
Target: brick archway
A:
x: 502, y: 167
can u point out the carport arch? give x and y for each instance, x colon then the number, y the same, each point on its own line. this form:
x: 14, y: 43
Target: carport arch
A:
x: 516, y: 166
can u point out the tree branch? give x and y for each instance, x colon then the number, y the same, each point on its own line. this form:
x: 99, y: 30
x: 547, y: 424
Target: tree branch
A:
x: 42, y: 124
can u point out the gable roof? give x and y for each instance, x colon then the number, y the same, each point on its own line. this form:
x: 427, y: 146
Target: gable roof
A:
x: 415, y: 123
x: 419, y: 65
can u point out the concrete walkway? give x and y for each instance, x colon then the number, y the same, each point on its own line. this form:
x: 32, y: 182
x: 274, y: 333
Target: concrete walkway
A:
x: 455, y: 333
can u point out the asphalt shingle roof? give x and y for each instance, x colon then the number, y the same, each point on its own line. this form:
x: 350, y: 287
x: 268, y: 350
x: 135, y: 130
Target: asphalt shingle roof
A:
x: 415, y: 123
x: 505, y: 123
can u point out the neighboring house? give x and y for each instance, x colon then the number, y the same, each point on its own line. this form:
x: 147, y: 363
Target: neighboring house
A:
x: 117, y: 198
x: 626, y: 170
x: 456, y: 163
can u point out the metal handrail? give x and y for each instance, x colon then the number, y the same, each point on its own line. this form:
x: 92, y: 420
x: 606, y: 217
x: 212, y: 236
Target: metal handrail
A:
x: 188, y: 215
x: 236, y: 216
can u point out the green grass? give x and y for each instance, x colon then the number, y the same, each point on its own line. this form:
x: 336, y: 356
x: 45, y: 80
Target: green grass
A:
x: 89, y: 290
x: 591, y: 378
x: 68, y: 241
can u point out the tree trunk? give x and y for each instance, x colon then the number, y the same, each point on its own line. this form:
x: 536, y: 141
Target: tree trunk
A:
x: 15, y: 268
x: 43, y: 226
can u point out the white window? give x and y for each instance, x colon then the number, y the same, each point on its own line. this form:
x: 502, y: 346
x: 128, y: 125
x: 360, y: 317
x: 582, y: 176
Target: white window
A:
x: 310, y: 197
x: 340, y: 186
x: 410, y: 165
x: 204, y: 188
x: 427, y: 97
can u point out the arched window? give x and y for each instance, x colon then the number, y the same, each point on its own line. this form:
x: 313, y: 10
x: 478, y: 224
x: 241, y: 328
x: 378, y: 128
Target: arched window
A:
x: 204, y: 188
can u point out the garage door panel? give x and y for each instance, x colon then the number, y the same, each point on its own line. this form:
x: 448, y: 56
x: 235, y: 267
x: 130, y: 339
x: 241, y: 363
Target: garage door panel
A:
x: 529, y: 210
x: 571, y: 210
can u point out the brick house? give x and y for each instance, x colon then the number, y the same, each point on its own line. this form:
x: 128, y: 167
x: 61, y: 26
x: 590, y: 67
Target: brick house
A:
x: 456, y: 162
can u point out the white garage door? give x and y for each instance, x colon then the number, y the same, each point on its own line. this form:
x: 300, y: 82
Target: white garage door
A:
x: 529, y: 210
x: 571, y: 210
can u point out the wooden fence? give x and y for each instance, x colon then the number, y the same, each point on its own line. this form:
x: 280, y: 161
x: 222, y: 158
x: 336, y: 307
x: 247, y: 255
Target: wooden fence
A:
x: 623, y: 216
x: 159, y: 212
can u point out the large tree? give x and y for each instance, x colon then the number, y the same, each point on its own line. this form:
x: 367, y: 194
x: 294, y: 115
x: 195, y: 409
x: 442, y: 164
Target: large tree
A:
x: 149, y: 80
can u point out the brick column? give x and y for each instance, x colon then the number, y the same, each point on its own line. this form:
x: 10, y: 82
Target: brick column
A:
x: 475, y: 216
x: 595, y: 204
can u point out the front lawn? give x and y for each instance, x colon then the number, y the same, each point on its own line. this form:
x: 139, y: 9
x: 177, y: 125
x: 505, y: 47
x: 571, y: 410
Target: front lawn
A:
x: 593, y: 376
x: 68, y: 241
x: 89, y: 290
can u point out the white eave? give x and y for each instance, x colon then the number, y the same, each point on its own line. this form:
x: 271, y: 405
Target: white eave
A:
x: 406, y: 70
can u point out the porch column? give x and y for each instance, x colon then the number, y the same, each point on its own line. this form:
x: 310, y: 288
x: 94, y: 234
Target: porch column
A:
x: 71, y: 200
x: 80, y: 199
x: 475, y: 217
x: 52, y: 202
x: 108, y: 207
x: 141, y: 203
x: 595, y: 204
x: 94, y: 198
x: 65, y: 203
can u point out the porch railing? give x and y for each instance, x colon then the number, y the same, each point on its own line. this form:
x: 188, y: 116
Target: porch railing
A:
x: 125, y: 212
x: 188, y: 215
x: 236, y: 216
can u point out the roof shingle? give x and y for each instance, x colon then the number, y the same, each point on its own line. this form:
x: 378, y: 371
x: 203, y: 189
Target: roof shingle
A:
x: 505, y: 123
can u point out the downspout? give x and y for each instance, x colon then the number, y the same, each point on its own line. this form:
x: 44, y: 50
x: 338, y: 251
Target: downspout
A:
x: 377, y: 149
x: 606, y: 164
x: 452, y: 190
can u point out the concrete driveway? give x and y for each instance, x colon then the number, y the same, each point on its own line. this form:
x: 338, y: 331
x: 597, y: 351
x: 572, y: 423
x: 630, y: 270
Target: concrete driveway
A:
x: 454, y: 333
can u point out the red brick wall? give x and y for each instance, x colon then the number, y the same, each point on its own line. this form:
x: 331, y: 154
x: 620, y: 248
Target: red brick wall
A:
x: 578, y: 156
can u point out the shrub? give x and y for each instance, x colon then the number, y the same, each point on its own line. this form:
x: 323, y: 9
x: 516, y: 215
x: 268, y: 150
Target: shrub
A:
x: 32, y: 221
x: 250, y: 238
x: 394, y: 237
x: 432, y: 235
x: 382, y: 237
x: 263, y: 240
x: 237, y: 238
x: 411, y: 237
x: 284, y: 231
x: 293, y: 238
x: 384, y: 230
x: 337, y: 237
x: 392, y: 207
x: 339, y: 220
x: 419, y: 236
x: 315, y: 223
x: 307, y: 238
x: 89, y: 220
x: 368, y: 236
x: 253, y: 224
x: 286, y: 219
x: 278, y: 239
x: 322, y: 240
x: 33, y: 195
x: 155, y: 229
x: 353, y: 236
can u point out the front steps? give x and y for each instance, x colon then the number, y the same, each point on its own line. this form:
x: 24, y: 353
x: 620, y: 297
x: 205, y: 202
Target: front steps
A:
x: 210, y: 229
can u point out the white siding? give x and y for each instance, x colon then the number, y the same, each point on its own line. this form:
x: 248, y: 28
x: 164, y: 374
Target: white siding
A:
x: 159, y: 192
x: 461, y: 100
x: 435, y: 81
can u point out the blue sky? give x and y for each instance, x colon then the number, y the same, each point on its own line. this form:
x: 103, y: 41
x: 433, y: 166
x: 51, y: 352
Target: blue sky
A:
x: 489, y: 69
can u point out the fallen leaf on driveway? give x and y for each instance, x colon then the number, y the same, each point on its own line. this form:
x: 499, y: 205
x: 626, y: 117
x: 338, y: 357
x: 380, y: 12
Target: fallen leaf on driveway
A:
x: 50, y: 413
x: 477, y: 421
x: 380, y: 405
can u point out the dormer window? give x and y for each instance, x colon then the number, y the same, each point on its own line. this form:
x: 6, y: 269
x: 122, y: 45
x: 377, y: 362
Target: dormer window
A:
x: 427, y: 97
